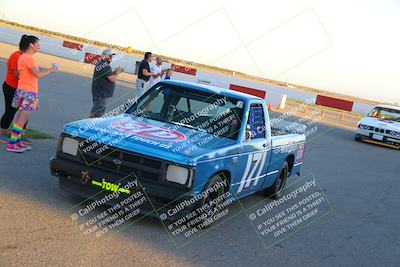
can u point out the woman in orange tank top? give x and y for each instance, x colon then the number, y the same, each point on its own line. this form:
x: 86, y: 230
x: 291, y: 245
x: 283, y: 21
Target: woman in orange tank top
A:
x: 26, y: 96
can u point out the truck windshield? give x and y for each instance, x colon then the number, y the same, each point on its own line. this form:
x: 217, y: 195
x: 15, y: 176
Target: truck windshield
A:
x: 385, y: 114
x: 203, y: 111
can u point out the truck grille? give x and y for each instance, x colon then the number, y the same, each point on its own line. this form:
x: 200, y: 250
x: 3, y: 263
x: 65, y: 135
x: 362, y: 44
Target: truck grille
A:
x: 122, y: 162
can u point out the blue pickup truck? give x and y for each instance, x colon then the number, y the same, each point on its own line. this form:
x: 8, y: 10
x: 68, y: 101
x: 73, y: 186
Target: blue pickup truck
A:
x: 176, y: 141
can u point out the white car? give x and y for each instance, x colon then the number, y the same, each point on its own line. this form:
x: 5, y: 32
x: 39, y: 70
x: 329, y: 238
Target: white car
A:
x: 380, y: 126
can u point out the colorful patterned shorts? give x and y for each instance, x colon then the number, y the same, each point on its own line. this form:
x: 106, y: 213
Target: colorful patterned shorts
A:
x: 24, y: 100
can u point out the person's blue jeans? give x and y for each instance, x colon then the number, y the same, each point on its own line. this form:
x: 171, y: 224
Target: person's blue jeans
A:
x: 99, y: 106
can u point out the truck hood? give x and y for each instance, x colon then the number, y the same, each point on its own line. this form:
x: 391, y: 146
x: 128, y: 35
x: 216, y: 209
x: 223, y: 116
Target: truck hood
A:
x: 385, y: 124
x: 148, y: 137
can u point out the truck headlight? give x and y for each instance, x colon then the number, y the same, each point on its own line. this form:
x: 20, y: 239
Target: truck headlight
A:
x: 178, y: 174
x: 70, y: 146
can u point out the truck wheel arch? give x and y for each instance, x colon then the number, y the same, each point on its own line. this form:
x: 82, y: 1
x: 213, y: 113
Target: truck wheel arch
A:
x: 275, y: 190
x: 224, y: 173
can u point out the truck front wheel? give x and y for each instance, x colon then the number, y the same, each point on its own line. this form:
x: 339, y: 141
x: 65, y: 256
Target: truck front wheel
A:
x: 211, y: 204
x: 276, y: 190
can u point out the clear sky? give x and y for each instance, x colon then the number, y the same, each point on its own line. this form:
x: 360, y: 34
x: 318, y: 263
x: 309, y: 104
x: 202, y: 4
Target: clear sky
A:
x: 350, y: 47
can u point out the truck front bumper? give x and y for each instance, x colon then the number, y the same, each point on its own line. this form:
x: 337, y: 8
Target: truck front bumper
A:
x: 75, y: 177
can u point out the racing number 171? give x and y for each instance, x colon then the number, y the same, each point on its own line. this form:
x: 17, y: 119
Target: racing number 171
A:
x: 259, y: 160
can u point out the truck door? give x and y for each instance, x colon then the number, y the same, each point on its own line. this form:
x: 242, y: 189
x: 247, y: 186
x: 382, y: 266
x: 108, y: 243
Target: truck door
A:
x: 255, y: 151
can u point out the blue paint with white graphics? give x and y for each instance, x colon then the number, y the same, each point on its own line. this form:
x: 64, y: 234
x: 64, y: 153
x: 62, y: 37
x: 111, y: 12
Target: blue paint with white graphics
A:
x: 195, y: 132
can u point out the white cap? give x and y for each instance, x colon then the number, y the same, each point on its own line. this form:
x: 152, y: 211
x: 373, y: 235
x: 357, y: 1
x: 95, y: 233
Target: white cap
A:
x: 107, y: 52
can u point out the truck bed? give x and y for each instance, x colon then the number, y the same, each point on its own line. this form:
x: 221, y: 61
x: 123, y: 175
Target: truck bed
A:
x: 287, y: 127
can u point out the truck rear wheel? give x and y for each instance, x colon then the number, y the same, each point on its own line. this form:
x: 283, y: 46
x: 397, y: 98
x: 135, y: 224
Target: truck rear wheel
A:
x: 276, y: 190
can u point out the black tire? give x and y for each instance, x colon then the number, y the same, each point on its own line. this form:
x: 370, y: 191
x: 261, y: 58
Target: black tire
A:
x: 357, y: 138
x: 213, y: 208
x: 277, y: 188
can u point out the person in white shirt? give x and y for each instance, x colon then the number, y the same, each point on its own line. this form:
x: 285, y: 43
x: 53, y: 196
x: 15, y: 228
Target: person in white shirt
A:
x: 156, y: 72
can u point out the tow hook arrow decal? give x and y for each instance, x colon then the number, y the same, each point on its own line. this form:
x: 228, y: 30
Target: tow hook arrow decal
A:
x: 111, y: 187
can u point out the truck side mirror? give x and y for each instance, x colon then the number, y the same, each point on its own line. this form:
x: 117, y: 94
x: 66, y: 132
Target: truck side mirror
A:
x: 248, y: 133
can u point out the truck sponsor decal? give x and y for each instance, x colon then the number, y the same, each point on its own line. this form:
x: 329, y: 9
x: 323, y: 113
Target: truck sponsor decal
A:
x: 299, y: 154
x: 147, y: 130
x: 248, y: 176
x: 110, y: 186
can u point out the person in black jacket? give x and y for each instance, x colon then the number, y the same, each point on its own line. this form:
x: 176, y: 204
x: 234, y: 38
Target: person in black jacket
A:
x: 103, y: 84
x: 144, y: 74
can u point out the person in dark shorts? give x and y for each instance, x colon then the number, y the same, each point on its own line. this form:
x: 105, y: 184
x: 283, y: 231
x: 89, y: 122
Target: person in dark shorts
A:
x: 103, y: 84
x: 144, y: 74
x: 9, y: 86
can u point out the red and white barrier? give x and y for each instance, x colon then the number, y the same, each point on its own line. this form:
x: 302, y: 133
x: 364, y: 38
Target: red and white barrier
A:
x: 334, y: 103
